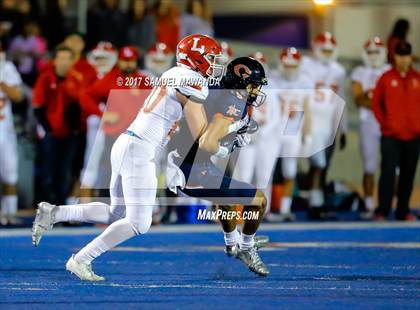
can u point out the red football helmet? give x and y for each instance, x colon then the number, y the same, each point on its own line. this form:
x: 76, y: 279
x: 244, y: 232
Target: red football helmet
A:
x: 159, y: 58
x: 103, y: 57
x: 374, y: 52
x: 202, y: 54
x: 325, y: 47
x: 226, y: 52
x: 289, y: 62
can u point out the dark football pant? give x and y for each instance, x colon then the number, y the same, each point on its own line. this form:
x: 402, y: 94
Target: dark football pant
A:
x: 403, y: 154
x: 208, y: 182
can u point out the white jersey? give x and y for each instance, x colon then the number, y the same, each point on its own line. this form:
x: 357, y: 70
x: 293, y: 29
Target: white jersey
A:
x: 328, y: 79
x: 161, y: 112
x: 288, y: 96
x: 367, y: 77
x: 10, y: 76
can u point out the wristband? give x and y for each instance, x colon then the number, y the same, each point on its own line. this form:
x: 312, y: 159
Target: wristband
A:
x: 234, y: 127
x: 222, y: 152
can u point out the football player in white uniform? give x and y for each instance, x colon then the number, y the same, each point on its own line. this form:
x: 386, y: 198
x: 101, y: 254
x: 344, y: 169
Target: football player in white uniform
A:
x: 133, y: 182
x: 293, y: 98
x: 158, y: 59
x: 328, y: 75
x: 10, y: 91
x: 364, y: 80
x: 103, y: 58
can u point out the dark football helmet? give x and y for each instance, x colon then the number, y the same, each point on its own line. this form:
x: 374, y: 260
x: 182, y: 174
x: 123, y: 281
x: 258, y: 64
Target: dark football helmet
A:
x: 246, y: 73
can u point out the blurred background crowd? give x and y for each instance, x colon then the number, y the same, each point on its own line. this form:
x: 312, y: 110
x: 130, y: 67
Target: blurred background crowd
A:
x: 61, y: 58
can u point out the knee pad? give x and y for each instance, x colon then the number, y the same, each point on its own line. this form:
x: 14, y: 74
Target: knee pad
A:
x: 142, y: 221
x: 116, y: 212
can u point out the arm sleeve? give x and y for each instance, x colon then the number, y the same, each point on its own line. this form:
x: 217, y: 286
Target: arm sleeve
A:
x: 377, y: 100
x: 344, y: 118
x: 38, y: 93
x: 13, y: 76
x: 356, y: 75
x: 93, y: 96
x: 196, y: 93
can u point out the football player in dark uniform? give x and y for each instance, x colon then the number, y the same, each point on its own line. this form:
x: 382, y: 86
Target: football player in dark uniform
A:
x: 228, y: 109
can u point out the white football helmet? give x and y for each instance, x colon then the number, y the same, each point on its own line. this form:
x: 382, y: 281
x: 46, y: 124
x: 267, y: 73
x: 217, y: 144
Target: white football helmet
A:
x: 325, y: 47
x: 262, y: 59
x: 374, y: 53
x: 289, y: 63
x: 103, y: 57
x: 159, y: 58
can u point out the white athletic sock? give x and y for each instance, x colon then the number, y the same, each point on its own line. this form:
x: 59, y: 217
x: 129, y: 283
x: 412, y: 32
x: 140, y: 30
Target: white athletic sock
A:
x: 9, y: 204
x: 369, y: 203
x: 316, y: 198
x: 232, y: 238
x: 286, y: 204
x: 94, y: 212
x: 247, y: 241
x: 115, y: 234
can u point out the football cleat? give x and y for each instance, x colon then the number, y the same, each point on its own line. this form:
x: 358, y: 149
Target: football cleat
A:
x: 231, y: 250
x: 82, y: 270
x: 44, y: 221
x: 251, y: 258
x: 259, y: 242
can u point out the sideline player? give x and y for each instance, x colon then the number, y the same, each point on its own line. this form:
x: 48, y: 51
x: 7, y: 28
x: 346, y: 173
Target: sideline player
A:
x: 10, y: 92
x: 158, y: 59
x: 294, y: 128
x: 133, y: 183
x: 364, y: 80
x: 328, y: 76
x: 103, y: 58
x: 228, y: 108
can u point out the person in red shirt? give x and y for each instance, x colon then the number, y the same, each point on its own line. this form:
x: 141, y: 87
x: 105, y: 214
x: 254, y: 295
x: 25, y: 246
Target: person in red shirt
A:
x: 83, y: 74
x: 52, y: 101
x: 124, y: 90
x: 396, y: 105
x: 167, y: 23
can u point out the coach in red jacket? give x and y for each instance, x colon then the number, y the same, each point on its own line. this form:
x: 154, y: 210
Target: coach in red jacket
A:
x: 53, y: 98
x: 396, y: 104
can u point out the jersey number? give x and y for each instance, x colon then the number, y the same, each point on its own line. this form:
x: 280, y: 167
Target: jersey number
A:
x: 156, y: 96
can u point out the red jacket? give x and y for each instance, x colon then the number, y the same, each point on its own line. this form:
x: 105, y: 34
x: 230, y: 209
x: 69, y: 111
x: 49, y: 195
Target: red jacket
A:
x: 396, y: 104
x: 124, y: 100
x: 55, y: 95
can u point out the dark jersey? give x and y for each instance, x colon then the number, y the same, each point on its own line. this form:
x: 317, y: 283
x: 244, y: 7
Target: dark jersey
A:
x: 220, y: 103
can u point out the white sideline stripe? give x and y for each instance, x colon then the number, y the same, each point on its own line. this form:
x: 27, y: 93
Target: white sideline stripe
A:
x: 238, y: 287
x: 216, y: 228
x: 276, y: 246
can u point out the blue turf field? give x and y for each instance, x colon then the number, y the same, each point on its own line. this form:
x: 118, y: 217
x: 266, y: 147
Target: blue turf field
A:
x: 318, y: 267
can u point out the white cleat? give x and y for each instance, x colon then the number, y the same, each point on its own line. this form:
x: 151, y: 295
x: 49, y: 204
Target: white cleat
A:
x: 82, y: 270
x: 44, y: 221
